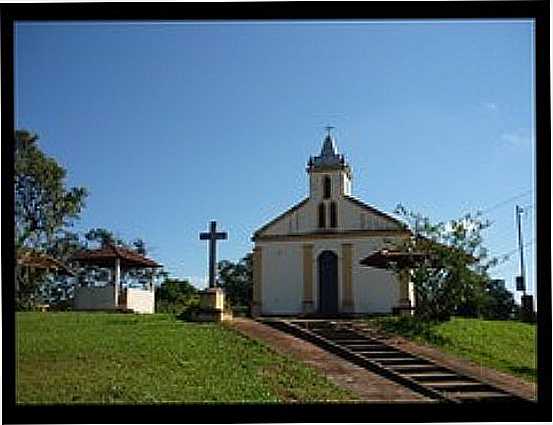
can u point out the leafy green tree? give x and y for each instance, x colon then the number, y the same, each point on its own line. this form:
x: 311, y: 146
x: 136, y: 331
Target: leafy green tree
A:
x: 43, y: 208
x: 57, y: 289
x: 236, y: 279
x: 454, y: 272
x: 499, y: 303
x: 175, y: 295
x: 100, y: 236
x: 43, y: 205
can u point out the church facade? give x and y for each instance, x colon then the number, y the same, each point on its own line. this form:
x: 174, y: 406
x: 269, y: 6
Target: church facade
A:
x: 306, y: 260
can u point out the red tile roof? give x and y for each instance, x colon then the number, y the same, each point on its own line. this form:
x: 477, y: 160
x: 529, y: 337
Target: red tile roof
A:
x: 106, y: 255
x: 31, y: 258
x: 384, y: 258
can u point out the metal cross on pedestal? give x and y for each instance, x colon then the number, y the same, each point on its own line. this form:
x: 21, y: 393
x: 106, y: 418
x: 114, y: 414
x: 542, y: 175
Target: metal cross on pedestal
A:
x: 212, y: 236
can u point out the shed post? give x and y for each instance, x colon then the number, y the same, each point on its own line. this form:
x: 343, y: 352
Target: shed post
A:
x: 117, y: 280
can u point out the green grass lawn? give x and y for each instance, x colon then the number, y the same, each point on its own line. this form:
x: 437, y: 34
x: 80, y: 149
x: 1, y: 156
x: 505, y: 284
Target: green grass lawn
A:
x: 507, y: 346
x: 117, y: 358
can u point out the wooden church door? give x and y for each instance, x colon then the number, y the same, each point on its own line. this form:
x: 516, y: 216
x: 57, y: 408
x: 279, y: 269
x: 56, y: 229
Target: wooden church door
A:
x: 328, y: 282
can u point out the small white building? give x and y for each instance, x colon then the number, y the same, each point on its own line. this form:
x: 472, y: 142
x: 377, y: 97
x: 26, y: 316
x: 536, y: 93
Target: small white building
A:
x: 306, y: 260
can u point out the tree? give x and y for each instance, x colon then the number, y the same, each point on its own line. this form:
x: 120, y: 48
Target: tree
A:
x: 237, y: 280
x: 174, y: 296
x: 102, y: 237
x: 454, y: 273
x: 43, y: 207
x: 57, y: 290
x: 499, y: 303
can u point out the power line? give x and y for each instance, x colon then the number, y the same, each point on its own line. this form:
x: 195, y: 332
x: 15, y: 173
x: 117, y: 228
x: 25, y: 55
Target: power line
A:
x: 507, y: 254
x: 500, y: 204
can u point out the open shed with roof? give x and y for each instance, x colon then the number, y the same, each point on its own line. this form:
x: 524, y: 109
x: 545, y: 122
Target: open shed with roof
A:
x: 112, y: 296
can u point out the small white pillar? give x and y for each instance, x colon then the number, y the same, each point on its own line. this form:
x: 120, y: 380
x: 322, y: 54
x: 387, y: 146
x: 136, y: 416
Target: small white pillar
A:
x: 117, y: 280
x: 404, y: 293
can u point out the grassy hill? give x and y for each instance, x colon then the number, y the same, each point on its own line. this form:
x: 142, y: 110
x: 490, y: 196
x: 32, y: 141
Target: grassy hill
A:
x: 508, y: 346
x: 115, y: 358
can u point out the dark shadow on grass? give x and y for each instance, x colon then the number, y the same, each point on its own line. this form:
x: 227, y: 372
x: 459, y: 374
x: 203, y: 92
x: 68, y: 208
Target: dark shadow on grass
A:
x: 412, y: 328
x: 523, y: 370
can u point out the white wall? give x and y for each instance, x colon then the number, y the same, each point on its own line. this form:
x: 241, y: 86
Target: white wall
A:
x: 140, y: 300
x: 374, y: 290
x: 282, y: 278
x: 350, y: 217
x: 94, y: 298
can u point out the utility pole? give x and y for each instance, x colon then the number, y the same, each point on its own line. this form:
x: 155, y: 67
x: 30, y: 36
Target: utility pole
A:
x: 526, y: 301
x: 519, y: 211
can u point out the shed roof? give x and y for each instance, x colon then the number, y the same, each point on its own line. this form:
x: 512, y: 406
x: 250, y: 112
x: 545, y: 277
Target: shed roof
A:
x: 385, y: 258
x: 106, y: 255
x: 31, y: 258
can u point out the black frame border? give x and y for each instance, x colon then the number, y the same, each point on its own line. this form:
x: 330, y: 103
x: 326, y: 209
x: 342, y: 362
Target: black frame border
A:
x: 276, y: 413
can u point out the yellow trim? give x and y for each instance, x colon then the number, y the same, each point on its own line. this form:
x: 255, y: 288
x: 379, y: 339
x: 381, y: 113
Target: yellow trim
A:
x: 308, y: 274
x: 347, y: 294
x: 257, y: 273
x: 332, y: 235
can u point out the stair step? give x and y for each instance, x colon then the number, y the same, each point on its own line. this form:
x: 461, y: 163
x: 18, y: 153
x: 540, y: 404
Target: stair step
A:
x: 381, y: 354
x: 399, y: 361
x: 418, y: 368
x: 335, y: 335
x: 475, y: 395
x: 432, y: 375
x: 458, y: 387
x: 370, y: 347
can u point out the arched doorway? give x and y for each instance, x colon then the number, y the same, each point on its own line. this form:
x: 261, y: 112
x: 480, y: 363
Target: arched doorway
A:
x: 328, y: 282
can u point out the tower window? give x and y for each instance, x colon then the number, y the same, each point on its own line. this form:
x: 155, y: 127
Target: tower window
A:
x: 322, y: 216
x: 333, y: 215
x: 326, y: 187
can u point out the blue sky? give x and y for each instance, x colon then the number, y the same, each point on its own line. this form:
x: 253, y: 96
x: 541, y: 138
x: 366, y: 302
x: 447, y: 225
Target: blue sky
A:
x: 170, y: 125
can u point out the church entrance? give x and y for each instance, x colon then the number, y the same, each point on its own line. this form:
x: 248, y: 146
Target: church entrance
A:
x: 328, y: 282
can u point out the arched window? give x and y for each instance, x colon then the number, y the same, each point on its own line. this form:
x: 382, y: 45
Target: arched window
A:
x: 322, y: 216
x: 326, y: 187
x: 333, y: 215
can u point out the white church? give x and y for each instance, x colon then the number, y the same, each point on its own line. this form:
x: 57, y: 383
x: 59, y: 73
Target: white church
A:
x: 306, y: 260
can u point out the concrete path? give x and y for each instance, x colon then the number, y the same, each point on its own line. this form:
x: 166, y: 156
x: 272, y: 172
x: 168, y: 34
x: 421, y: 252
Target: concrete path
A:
x: 368, y: 386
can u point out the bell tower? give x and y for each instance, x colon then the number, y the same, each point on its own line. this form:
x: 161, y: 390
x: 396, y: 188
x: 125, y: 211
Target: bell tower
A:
x: 329, y: 174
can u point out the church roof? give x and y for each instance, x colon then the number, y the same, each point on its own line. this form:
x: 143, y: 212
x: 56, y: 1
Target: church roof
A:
x: 375, y: 211
x: 284, y: 214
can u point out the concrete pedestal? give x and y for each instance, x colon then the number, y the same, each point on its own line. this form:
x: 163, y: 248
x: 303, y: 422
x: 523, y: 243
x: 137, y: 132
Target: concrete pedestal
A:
x: 212, y: 306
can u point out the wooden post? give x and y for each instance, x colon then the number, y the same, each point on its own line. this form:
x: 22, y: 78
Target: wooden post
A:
x: 404, y: 300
